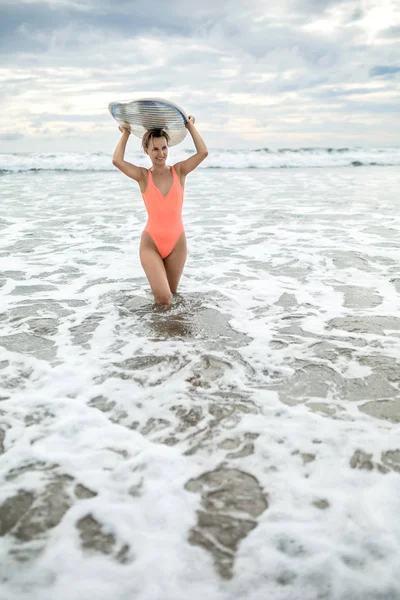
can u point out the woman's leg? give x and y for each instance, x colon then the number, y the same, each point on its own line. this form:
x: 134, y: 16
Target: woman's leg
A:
x: 155, y: 270
x: 175, y: 262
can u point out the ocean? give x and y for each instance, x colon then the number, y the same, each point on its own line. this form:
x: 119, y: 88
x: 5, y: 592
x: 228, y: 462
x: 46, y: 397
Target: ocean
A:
x: 241, y: 444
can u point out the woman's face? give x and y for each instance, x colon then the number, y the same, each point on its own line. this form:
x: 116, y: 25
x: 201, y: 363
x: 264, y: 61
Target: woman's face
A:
x: 158, y: 150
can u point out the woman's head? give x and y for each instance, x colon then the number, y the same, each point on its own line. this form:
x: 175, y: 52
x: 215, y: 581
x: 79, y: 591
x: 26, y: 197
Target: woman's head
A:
x: 155, y: 143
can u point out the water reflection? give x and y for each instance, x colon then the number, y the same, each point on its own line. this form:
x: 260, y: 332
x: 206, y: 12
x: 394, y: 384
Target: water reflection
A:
x: 188, y: 317
x: 173, y: 321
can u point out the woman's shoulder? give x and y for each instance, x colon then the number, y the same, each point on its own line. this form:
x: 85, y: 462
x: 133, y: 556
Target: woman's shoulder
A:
x: 176, y: 168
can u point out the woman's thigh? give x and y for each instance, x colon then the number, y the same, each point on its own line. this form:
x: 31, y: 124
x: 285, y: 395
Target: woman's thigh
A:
x: 175, y: 262
x: 154, y: 268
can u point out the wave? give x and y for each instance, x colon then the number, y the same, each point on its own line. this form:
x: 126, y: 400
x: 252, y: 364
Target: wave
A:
x: 261, y: 158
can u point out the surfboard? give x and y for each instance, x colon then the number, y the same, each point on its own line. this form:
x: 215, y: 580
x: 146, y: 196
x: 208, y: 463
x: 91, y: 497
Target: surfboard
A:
x: 144, y: 114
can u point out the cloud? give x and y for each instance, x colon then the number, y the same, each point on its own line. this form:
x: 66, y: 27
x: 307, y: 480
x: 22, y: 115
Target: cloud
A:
x: 380, y: 70
x: 391, y: 33
x: 8, y: 137
x: 275, y: 67
x: 25, y: 25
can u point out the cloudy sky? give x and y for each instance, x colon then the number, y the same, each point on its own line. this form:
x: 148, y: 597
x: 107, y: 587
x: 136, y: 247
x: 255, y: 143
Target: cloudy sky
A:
x: 255, y: 73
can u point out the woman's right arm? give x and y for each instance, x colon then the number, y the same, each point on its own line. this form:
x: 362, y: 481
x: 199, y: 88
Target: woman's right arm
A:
x: 136, y: 173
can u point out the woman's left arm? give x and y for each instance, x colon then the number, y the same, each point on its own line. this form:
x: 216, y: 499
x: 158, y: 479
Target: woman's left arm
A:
x: 188, y: 165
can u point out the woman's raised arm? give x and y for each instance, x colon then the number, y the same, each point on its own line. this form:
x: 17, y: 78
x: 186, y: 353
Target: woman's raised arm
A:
x: 136, y: 173
x: 184, y: 167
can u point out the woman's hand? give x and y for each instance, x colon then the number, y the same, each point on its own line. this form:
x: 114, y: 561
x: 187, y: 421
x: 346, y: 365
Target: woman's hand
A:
x: 190, y: 120
x: 124, y: 129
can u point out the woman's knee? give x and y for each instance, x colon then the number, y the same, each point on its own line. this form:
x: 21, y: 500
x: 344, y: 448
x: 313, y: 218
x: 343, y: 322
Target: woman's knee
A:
x: 163, y: 297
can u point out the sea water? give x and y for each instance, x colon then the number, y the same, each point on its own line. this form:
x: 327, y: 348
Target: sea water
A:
x: 243, y: 443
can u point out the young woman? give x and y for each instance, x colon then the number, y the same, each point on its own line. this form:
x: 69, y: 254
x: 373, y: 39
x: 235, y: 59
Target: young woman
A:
x: 163, y: 241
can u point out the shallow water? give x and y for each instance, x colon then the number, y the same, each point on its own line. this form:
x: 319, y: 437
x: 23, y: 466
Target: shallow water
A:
x: 242, y: 442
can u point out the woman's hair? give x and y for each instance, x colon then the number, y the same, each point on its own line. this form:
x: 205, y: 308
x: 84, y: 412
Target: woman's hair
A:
x: 153, y: 133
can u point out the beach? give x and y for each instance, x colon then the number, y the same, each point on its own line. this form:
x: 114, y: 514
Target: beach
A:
x: 243, y: 443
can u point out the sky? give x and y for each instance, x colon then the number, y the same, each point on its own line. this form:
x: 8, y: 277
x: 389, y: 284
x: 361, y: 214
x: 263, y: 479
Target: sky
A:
x: 254, y: 73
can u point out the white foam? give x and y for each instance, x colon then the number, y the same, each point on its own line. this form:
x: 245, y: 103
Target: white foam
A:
x: 218, y: 158
x: 305, y: 265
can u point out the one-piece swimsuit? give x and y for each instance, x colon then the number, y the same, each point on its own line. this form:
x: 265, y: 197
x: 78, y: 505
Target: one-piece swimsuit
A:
x: 164, y: 223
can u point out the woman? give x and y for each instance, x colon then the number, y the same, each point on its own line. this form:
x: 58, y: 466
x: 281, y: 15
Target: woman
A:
x: 163, y: 241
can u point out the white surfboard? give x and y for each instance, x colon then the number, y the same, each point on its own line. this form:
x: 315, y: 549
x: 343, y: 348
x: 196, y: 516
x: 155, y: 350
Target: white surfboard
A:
x: 144, y: 114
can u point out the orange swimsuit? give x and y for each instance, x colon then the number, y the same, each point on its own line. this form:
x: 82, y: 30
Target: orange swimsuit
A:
x: 164, y: 222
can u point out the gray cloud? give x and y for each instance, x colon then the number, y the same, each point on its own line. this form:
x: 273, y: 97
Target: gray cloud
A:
x: 391, y: 33
x: 8, y: 137
x: 381, y: 70
x: 31, y: 27
x: 318, y: 7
